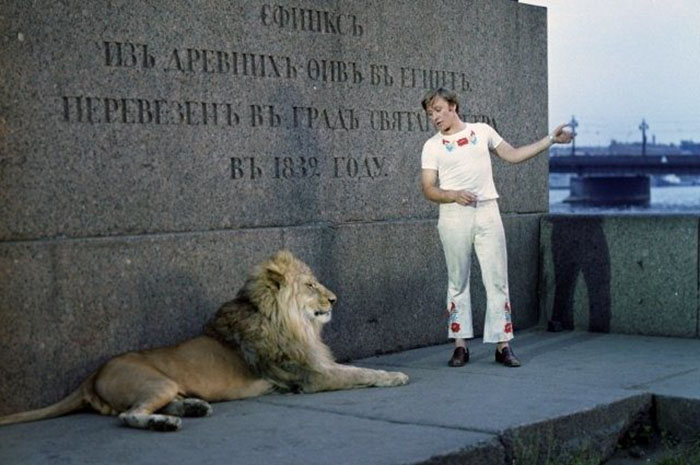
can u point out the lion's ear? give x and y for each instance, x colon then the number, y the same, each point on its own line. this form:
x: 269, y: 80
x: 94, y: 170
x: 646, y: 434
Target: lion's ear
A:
x: 274, y: 275
x: 280, y: 267
x: 284, y: 257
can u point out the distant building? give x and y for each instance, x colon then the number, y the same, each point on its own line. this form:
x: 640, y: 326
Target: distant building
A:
x: 688, y: 147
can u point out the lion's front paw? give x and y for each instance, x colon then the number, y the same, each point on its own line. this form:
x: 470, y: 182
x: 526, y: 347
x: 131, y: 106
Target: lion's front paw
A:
x: 393, y: 378
x: 399, y: 378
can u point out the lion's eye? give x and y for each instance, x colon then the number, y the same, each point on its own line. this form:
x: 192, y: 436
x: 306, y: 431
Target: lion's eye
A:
x: 310, y: 285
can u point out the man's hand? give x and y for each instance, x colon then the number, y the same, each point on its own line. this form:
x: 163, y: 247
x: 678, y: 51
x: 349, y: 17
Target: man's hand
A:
x: 463, y: 197
x: 429, y: 180
x: 561, y: 135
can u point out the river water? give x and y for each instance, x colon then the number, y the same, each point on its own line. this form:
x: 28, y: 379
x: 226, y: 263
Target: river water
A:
x: 670, y: 199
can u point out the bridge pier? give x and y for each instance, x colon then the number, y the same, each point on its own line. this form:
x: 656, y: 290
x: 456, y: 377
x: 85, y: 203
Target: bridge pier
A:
x: 610, y: 190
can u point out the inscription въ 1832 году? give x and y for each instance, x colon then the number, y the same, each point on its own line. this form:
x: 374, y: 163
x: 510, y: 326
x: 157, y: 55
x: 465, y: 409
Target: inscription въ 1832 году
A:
x: 298, y: 167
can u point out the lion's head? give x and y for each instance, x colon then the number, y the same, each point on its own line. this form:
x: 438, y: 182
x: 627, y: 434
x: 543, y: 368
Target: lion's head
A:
x: 294, y: 288
x: 276, y: 320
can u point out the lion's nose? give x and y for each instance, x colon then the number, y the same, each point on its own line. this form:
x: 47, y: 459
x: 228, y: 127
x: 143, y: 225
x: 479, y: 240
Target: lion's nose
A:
x: 332, y: 299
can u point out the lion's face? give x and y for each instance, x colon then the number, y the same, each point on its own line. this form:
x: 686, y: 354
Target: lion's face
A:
x: 315, y: 299
x: 297, y: 289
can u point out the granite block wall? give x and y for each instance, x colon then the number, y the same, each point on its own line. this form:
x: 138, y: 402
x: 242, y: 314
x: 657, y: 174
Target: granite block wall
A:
x: 152, y: 154
x: 623, y: 274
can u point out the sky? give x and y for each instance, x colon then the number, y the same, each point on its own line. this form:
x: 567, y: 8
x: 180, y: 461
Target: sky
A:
x: 613, y: 63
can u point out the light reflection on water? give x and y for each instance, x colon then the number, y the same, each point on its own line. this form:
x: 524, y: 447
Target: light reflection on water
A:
x: 671, y: 199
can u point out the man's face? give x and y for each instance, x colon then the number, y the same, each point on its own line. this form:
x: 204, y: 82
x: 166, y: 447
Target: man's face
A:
x: 442, y: 114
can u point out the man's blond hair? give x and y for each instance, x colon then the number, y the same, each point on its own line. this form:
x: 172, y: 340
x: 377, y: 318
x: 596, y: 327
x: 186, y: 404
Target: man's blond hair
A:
x: 449, y: 96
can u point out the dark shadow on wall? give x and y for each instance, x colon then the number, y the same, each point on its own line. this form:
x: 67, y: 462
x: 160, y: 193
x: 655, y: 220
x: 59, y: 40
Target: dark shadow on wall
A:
x: 579, y: 246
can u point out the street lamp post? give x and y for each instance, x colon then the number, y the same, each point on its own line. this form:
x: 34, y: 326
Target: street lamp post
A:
x: 573, y: 123
x: 643, y: 127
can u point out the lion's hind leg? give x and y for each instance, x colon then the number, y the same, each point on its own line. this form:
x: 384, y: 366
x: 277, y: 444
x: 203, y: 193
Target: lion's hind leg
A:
x: 138, y: 390
x: 153, y: 421
x: 142, y: 415
x: 187, y: 407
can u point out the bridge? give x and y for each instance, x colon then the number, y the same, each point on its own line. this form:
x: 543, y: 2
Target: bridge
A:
x: 630, y: 165
x: 618, y: 179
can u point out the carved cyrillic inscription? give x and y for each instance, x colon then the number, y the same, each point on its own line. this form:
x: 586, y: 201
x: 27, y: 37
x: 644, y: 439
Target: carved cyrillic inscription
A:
x: 81, y: 109
x: 245, y: 168
x: 333, y: 71
x: 365, y: 167
x: 264, y: 115
x: 191, y: 60
x: 229, y: 63
x: 299, y: 167
x: 128, y: 55
x: 308, y: 20
x: 400, y: 121
x: 109, y: 110
x: 315, y: 118
x: 433, y: 78
x: 296, y: 167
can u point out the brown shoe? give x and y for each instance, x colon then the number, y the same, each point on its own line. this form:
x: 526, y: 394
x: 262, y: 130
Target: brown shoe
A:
x: 507, y: 357
x: 460, y: 357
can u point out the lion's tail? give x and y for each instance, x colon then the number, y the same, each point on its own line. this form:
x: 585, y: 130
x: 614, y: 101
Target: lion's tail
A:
x: 74, y: 401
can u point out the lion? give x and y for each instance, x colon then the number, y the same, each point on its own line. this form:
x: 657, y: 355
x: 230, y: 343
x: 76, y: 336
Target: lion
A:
x: 267, y: 339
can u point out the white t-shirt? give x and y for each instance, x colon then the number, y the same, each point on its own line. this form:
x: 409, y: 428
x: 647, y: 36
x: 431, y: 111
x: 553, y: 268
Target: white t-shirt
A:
x: 463, y: 159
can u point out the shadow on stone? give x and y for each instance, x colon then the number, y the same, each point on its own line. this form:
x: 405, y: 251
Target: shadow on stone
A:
x: 579, y: 246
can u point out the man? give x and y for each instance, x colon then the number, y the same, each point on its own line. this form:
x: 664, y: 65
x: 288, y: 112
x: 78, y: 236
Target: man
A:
x: 456, y: 173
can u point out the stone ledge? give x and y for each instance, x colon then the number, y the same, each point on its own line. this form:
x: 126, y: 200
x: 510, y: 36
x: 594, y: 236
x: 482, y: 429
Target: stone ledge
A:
x: 572, y: 402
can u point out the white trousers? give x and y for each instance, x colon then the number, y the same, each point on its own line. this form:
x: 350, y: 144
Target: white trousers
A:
x: 479, y: 228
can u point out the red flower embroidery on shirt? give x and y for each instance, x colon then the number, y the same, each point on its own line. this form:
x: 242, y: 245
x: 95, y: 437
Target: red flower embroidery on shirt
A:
x: 455, y: 327
x: 445, y: 142
x: 452, y: 306
x: 509, y: 328
x: 463, y: 141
